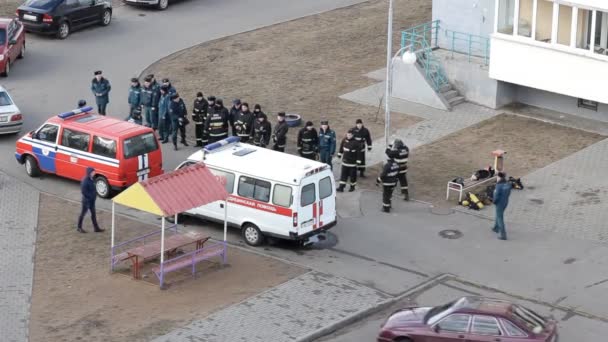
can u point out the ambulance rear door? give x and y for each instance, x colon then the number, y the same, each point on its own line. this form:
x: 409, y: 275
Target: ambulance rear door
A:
x: 317, y: 202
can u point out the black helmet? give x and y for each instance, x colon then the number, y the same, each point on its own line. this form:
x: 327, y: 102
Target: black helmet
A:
x: 82, y: 103
x: 391, y: 153
x: 397, y: 144
x: 219, y: 102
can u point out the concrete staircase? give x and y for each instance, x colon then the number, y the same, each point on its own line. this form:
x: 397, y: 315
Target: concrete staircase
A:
x: 451, y: 95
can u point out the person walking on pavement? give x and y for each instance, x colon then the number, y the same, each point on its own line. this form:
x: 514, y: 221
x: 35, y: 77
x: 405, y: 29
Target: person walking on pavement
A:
x: 327, y: 144
x: 89, y: 195
x: 199, y: 114
x: 308, y: 141
x: 216, y: 125
x: 155, y: 101
x: 257, y: 110
x: 147, y: 101
x: 170, y: 87
x: 349, y: 152
x: 164, y: 120
x: 179, y: 119
x: 362, y: 135
x: 233, y: 114
x: 100, y: 87
x: 501, y: 200
x: 279, y: 134
x: 135, y: 102
x: 243, y: 123
x: 388, y: 179
x: 401, y: 157
x: 261, y: 131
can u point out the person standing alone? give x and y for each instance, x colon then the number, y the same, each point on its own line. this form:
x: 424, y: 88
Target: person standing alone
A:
x: 89, y: 195
x: 101, y: 90
x: 501, y: 200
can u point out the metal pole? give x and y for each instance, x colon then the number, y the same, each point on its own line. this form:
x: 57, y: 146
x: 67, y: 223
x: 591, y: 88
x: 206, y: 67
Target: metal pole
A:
x: 112, y: 242
x: 225, y: 219
x: 389, y: 55
x: 162, y: 250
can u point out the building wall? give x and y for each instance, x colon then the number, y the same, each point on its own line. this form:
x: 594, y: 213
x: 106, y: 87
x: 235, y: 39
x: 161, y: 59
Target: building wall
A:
x: 468, y: 16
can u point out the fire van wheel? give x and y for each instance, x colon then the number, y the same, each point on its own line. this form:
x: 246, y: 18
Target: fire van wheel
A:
x: 102, y: 187
x: 31, y: 167
x: 252, y: 235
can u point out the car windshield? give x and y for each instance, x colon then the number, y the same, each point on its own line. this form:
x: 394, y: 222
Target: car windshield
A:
x: 438, y: 311
x: 42, y: 4
x: 528, y: 317
x: 5, y: 100
x: 140, y: 144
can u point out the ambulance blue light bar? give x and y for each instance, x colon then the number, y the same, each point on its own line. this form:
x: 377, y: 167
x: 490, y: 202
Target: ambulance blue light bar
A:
x: 221, y: 143
x: 75, y: 112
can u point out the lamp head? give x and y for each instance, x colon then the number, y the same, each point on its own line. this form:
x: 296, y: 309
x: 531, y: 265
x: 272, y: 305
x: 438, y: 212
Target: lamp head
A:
x: 408, y: 57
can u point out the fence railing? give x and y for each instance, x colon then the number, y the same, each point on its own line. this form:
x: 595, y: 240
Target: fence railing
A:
x: 469, y: 44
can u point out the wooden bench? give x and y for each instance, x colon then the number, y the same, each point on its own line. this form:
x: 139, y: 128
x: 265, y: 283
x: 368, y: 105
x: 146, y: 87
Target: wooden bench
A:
x: 120, y: 258
x: 468, y: 184
x: 190, y: 259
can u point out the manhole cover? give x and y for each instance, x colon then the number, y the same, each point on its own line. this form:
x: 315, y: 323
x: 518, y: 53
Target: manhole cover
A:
x: 450, y: 234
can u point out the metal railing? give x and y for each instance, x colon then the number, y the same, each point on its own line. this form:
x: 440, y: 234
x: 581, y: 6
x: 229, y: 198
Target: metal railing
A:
x: 468, y: 44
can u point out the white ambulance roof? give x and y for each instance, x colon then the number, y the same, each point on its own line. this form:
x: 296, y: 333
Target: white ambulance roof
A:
x: 259, y: 162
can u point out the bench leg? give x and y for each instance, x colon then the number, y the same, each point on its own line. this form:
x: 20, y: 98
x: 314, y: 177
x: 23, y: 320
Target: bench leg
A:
x: 224, y: 255
x: 447, y: 193
x: 460, y: 196
x: 193, y: 267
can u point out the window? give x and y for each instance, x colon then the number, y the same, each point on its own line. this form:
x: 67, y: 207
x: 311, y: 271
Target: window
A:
x: 506, y: 12
x: 71, y: 3
x: 104, y: 147
x: 524, y: 26
x: 544, y: 20
x: 484, y: 325
x: 600, y: 33
x: 583, y: 23
x: 76, y: 140
x: 140, y: 144
x: 48, y: 133
x: 42, y: 4
x: 564, y: 25
x: 2, y: 37
x: 227, y: 175
x: 5, y: 100
x: 528, y: 317
x: 282, y: 195
x: 325, y: 188
x: 254, y: 188
x: 512, y: 329
x: 592, y: 105
x: 455, y: 323
x: 308, y: 195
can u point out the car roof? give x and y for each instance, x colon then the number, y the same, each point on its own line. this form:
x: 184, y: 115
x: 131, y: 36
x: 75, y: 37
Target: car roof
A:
x: 259, y: 162
x: 102, y: 125
x: 475, y: 304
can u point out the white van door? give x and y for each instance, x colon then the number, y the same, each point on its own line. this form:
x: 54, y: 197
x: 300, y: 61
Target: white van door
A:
x: 308, y: 207
x: 327, y: 200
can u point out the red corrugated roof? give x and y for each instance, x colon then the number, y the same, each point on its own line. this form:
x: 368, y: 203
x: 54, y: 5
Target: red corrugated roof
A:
x: 185, y: 189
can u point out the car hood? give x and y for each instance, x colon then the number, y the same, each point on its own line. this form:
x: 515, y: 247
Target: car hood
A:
x: 407, y: 317
x: 9, y: 109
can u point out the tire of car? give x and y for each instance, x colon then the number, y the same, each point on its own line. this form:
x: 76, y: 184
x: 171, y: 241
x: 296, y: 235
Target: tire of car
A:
x: 102, y: 187
x: 22, y: 52
x: 402, y: 339
x: 252, y: 234
x: 293, y: 120
x: 64, y: 30
x: 106, y: 17
x: 162, y: 4
x: 7, y: 68
x: 31, y: 166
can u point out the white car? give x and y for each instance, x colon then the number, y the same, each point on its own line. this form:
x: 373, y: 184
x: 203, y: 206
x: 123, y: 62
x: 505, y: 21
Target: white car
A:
x: 11, y: 119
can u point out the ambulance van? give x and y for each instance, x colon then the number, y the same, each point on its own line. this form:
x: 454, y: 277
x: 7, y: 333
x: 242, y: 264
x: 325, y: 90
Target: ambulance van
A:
x: 270, y: 194
x: 121, y: 153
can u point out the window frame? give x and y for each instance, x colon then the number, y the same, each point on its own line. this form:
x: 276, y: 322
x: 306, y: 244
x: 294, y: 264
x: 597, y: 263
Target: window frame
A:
x: 212, y: 170
x: 124, y: 144
x: 37, y: 137
x: 331, y: 188
x: 105, y: 156
x: 274, y: 188
x: 500, y: 332
x: 468, y: 328
x: 78, y: 132
x: 255, y: 185
x: 302, y: 192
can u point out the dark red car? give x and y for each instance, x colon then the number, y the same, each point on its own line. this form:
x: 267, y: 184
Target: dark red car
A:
x: 12, y: 43
x: 468, y: 319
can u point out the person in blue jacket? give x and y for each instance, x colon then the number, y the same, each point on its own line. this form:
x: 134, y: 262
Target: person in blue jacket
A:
x: 501, y: 200
x: 135, y: 110
x: 147, y: 102
x: 101, y: 87
x: 89, y: 195
x: 164, y: 121
x: 327, y: 144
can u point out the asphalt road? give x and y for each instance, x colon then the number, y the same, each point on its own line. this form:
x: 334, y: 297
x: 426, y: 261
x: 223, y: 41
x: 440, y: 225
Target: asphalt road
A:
x: 55, y: 74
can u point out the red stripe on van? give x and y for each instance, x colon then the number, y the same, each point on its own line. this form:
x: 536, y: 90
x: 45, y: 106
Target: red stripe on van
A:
x: 248, y: 202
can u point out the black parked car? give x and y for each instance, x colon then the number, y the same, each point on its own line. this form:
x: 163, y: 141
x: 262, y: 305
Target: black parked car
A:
x: 60, y: 17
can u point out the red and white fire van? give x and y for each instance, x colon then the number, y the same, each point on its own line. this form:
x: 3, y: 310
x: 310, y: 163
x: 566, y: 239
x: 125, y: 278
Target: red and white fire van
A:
x: 271, y: 193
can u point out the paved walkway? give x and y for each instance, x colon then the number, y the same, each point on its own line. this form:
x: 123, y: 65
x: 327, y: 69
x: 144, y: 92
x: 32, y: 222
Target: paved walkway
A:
x: 18, y: 221
x: 284, y: 313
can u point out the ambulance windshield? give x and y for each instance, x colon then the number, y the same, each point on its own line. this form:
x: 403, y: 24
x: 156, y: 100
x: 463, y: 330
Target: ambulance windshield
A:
x: 140, y: 144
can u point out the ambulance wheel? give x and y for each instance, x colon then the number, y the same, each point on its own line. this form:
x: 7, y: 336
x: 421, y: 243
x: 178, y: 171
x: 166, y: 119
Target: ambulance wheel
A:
x: 31, y: 166
x: 252, y: 234
x: 102, y: 187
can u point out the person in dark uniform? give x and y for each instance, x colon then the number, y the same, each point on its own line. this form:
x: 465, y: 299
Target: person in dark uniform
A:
x: 89, y: 196
x: 362, y: 135
x: 199, y: 114
x: 279, y: 134
x: 401, y: 157
x: 261, y: 131
x: 179, y: 120
x: 81, y: 104
x: 101, y: 87
x: 350, y: 152
x: 170, y: 87
x: 164, y: 120
x: 147, y: 98
x: 155, y: 101
x: 308, y: 141
x: 243, y: 123
x: 135, y: 101
x: 257, y: 111
x: 388, y: 179
x: 234, y: 113
x: 216, y: 125
x: 210, y: 110
x: 327, y: 144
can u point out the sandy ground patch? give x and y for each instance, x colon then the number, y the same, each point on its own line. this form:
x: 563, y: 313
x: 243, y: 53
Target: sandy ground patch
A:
x: 301, y: 66
x: 76, y: 299
x: 530, y: 144
x: 8, y: 8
